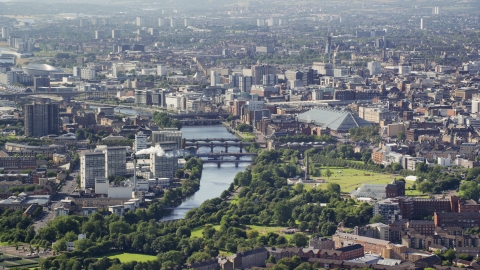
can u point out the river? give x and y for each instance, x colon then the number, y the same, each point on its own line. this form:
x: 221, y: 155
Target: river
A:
x: 214, y: 180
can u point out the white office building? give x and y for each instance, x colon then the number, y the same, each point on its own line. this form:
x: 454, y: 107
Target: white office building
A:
x: 175, y: 102
x: 167, y: 135
x: 92, y: 165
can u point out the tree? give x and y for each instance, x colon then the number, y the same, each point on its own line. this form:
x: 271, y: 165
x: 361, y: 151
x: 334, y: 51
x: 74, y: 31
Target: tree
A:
x: 328, y: 173
x: 171, y: 258
x: 450, y: 254
x: 396, y: 167
x: 376, y: 219
x: 469, y: 190
x: 244, y: 128
x: 60, y: 245
x: 271, y: 259
x: 198, y: 257
x: 328, y: 228
x: 183, y: 231
x: 252, y: 234
x: 401, y: 136
x: 283, y: 212
x: 299, y: 240
x: 334, y: 187
x: 425, y: 186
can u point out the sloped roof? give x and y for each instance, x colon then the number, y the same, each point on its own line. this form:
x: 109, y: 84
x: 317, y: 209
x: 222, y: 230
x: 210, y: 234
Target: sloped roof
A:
x: 333, y: 119
x: 374, y: 191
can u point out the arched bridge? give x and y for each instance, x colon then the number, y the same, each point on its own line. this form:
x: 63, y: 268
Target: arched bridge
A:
x: 220, y: 162
x: 212, y: 140
x: 213, y: 144
x: 220, y: 156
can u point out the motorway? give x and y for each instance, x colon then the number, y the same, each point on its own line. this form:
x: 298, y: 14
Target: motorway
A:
x: 67, y: 188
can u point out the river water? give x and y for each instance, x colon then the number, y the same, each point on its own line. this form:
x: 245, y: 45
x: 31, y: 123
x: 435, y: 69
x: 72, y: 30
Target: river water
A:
x: 214, y: 180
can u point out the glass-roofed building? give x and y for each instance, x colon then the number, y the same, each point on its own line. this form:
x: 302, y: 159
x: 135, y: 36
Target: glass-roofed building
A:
x: 338, y: 121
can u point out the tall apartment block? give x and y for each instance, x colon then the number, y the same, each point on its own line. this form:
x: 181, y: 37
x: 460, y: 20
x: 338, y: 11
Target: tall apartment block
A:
x: 92, y: 165
x: 140, y: 141
x: 41, y: 119
x: 164, y: 166
x: 115, y: 160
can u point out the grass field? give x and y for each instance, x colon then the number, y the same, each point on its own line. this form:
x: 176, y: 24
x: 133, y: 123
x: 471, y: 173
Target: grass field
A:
x: 267, y: 229
x: 349, y: 179
x: 198, y: 232
x: 128, y: 257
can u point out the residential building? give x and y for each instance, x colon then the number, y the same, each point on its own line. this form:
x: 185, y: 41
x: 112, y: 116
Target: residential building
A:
x: 389, y: 209
x: 163, y: 166
x: 351, y: 252
x: 61, y: 211
x: 376, y: 230
x: 117, y: 209
x: 92, y: 165
x: 41, y: 119
x: 425, y: 227
x: 454, y: 219
x: 115, y: 160
x: 139, y: 21
x: 370, y: 245
x: 140, y: 141
x: 321, y: 243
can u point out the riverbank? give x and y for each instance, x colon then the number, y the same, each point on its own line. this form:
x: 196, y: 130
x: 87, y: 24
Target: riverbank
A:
x: 246, y: 136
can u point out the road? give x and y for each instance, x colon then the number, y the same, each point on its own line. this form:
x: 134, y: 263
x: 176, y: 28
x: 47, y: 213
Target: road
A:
x: 67, y: 188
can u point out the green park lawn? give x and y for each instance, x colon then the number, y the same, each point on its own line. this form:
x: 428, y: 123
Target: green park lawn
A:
x: 266, y: 229
x: 128, y: 257
x: 349, y: 179
x: 197, y: 232
x: 247, y: 135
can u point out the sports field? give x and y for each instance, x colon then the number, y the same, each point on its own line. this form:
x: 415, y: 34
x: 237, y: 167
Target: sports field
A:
x: 128, y: 257
x: 349, y: 179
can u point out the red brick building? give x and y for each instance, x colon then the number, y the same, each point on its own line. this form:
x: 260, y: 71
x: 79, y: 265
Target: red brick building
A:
x: 351, y: 252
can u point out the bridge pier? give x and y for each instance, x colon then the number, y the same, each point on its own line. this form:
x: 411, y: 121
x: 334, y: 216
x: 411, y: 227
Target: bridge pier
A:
x: 236, y: 164
x: 241, y: 147
x: 218, y: 164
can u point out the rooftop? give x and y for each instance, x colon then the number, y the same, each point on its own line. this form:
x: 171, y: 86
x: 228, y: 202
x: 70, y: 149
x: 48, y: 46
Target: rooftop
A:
x: 332, y: 119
